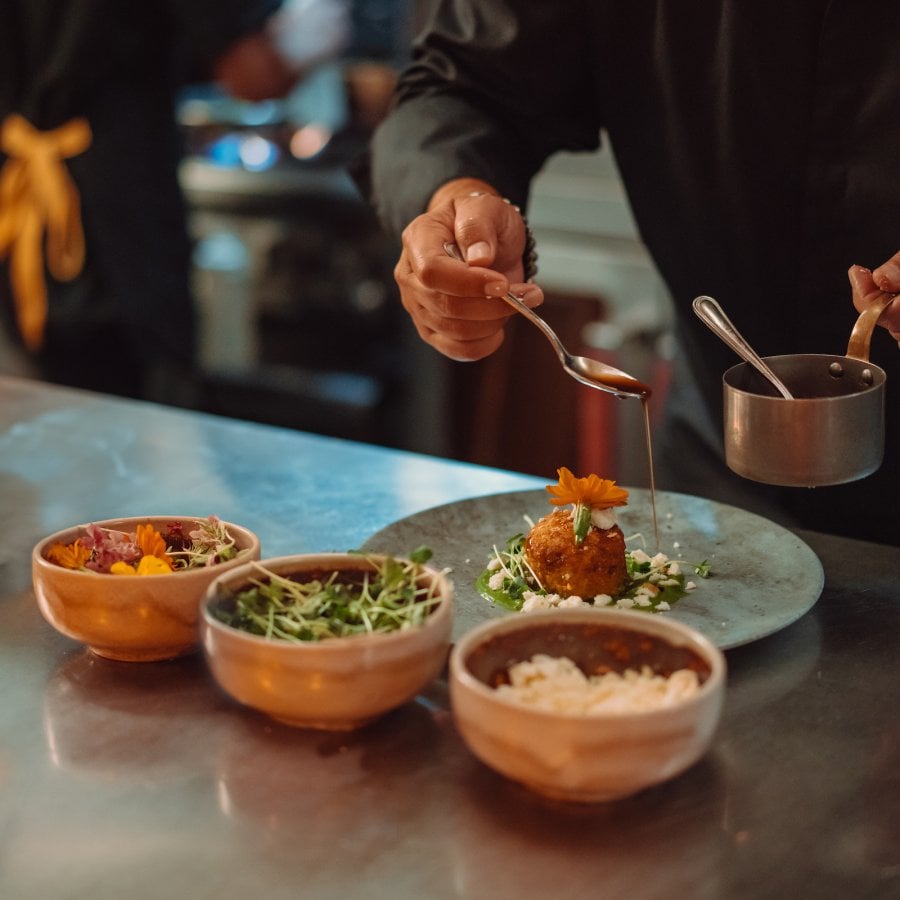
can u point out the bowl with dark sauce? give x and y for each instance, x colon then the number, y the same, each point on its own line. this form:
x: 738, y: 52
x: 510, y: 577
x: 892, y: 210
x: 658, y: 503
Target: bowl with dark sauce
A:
x: 587, y: 705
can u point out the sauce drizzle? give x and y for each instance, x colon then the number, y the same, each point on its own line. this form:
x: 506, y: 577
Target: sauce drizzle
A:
x: 646, y: 411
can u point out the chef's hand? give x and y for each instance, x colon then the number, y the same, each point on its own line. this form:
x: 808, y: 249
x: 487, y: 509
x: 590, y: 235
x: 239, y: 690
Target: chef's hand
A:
x: 866, y: 284
x: 455, y: 306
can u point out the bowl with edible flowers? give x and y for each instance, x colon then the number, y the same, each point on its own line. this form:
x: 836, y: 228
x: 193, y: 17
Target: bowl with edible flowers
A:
x: 329, y: 641
x: 129, y: 588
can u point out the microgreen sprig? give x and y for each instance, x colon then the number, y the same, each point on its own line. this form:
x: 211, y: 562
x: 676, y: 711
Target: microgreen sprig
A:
x: 518, y: 576
x: 208, y: 544
x: 391, y: 597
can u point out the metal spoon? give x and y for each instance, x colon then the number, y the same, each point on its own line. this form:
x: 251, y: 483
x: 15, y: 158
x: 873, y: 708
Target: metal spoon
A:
x: 588, y: 371
x: 713, y: 316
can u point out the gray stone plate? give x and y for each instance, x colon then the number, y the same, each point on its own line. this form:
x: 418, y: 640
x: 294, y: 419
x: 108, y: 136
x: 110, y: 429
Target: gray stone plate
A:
x: 763, y: 576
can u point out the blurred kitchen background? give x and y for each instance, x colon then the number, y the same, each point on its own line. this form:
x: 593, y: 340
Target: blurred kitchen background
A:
x: 301, y: 325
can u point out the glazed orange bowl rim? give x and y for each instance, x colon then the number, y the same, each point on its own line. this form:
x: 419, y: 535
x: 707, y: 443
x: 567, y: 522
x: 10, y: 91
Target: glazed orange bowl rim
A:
x: 669, y: 631
x: 297, y: 563
x: 245, y: 539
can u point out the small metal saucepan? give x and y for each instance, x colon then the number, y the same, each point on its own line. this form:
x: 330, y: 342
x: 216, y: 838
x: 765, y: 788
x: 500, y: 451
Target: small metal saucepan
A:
x: 831, y: 432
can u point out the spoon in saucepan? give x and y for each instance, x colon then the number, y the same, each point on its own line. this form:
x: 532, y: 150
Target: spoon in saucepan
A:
x: 588, y: 371
x: 713, y: 316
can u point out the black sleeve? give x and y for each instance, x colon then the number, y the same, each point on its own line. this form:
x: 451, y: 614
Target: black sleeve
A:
x: 494, y: 88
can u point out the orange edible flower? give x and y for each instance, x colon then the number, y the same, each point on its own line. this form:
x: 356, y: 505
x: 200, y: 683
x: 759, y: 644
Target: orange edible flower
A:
x: 153, y: 565
x: 152, y: 544
x: 69, y: 556
x: 593, y: 491
x: 148, y: 565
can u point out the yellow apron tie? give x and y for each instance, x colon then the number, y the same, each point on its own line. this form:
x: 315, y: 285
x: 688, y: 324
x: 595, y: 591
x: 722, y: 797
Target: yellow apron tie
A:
x: 38, y: 198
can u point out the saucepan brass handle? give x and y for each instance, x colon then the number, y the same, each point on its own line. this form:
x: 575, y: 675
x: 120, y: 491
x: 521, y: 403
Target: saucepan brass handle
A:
x: 861, y: 336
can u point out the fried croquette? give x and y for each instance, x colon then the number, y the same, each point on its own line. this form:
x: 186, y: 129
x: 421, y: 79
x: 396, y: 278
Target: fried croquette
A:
x: 595, y: 566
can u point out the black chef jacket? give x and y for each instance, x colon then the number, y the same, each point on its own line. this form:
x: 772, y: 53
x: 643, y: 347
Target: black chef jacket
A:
x: 119, y: 65
x: 759, y: 143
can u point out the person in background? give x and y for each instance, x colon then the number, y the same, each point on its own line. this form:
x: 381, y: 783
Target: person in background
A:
x: 94, y: 249
x: 758, y: 144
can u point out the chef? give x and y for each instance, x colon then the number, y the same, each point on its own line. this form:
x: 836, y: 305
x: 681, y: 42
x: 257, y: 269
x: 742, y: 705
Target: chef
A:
x: 759, y: 144
x: 94, y: 250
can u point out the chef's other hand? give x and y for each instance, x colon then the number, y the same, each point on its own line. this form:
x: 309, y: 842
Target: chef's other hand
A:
x: 456, y: 306
x: 885, y: 278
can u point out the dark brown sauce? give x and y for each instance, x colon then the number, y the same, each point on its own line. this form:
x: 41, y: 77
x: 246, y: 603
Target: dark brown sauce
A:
x: 643, y: 392
x: 627, y: 384
x: 595, y: 649
x: 646, y: 410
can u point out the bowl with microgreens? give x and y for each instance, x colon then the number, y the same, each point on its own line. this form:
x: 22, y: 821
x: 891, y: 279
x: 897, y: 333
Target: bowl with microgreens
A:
x: 328, y: 641
x: 129, y: 588
x: 586, y: 705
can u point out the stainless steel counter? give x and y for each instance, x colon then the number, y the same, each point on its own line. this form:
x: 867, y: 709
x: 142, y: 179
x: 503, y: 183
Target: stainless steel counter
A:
x: 142, y: 781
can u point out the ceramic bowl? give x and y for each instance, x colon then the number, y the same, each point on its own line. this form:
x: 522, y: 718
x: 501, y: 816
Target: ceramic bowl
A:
x: 338, y: 683
x: 585, y: 757
x: 129, y: 618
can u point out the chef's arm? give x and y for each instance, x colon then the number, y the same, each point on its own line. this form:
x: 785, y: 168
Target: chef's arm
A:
x: 483, y: 100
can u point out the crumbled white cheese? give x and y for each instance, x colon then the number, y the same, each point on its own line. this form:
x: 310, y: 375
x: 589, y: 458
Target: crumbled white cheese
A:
x: 556, y: 684
x: 532, y: 601
x: 604, y: 519
x: 495, y: 582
